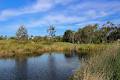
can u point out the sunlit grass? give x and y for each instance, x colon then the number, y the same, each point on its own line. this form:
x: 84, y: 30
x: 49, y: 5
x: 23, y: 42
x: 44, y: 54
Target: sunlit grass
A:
x: 10, y: 48
x: 103, y: 66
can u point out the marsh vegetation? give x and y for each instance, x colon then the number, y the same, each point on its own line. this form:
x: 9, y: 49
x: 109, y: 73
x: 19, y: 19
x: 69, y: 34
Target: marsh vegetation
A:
x: 102, y: 66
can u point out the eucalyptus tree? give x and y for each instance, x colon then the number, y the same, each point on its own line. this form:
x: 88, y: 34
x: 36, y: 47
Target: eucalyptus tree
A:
x: 51, y: 31
x: 68, y: 36
x: 22, y: 33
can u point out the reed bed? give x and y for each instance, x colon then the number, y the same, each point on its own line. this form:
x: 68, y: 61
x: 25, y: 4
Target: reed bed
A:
x: 103, y: 65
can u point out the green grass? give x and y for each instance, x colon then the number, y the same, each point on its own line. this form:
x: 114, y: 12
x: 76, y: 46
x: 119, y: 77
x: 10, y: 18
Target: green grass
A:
x: 11, y: 48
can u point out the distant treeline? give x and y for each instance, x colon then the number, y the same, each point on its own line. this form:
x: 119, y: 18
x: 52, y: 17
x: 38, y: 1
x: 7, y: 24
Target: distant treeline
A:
x: 93, y: 33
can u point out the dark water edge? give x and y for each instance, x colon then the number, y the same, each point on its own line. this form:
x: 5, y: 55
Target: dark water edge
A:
x: 48, y: 66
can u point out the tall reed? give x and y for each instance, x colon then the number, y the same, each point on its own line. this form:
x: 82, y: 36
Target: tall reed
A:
x: 102, y: 66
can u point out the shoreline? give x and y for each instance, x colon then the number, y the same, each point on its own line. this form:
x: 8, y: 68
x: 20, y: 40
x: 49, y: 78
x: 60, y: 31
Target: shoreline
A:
x: 10, y: 48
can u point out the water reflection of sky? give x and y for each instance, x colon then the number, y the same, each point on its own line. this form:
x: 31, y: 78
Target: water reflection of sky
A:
x: 45, y: 67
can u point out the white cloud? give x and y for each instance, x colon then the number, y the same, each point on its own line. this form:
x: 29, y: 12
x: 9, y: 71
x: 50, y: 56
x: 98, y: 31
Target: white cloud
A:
x: 85, y: 9
x: 62, y: 19
x: 64, y: 2
x: 39, y: 6
x: 55, y: 20
x: 93, y: 14
x: 94, y: 9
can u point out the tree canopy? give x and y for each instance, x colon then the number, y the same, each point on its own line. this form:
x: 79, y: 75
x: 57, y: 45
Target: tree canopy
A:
x: 94, y: 33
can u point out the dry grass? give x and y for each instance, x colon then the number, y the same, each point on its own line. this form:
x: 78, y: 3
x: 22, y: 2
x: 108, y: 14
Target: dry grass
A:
x: 11, y: 48
x: 103, y: 66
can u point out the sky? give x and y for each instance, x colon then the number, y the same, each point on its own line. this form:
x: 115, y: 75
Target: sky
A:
x: 37, y: 15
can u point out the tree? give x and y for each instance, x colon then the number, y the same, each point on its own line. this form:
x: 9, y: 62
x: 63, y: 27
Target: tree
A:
x: 106, y: 29
x: 21, y: 33
x: 51, y: 31
x: 89, y: 32
x: 80, y: 36
x: 86, y: 34
x: 12, y: 37
x: 2, y: 37
x: 114, y: 34
x: 58, y: 38
x: 68, y: 36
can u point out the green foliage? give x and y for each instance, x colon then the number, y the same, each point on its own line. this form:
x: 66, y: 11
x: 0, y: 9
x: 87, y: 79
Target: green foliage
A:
x: 3, y: 37
x: 114, y: 34
x: 86, y: 34
x: 12, y: 38
x: 109, y: 32
x: 68, y: 36
x: 58, y: 39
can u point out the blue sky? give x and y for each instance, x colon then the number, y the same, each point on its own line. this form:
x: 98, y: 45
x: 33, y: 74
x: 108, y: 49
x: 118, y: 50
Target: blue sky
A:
x: 37, y: 15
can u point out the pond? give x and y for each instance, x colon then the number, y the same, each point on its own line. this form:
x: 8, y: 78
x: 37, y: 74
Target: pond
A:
x: 49, y: 66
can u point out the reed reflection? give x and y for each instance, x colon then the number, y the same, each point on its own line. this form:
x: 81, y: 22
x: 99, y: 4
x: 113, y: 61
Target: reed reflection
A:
x: 21, y: 68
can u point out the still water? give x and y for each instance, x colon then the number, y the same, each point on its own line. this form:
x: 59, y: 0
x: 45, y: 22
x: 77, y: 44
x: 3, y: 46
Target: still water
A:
x: 53, y: 66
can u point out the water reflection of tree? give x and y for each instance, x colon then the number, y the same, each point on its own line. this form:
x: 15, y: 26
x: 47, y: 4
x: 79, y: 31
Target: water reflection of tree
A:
x: 83, y: 55
x: 51, y: 67
x: 69, y: 55
x: 21, y: 68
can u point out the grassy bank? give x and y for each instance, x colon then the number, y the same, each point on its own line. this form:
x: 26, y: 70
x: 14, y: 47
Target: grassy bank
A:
x: 11, y: 48
x: 103, y: 66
